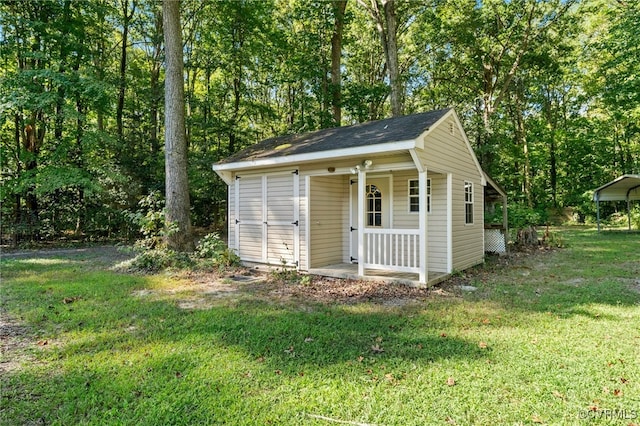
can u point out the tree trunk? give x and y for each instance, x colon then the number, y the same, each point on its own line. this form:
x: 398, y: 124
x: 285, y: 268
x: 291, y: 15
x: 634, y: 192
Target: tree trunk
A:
x: 336, y: 54
x: 397, y: 109
x: 177, y: 184
x: 156, y: 92
x: 123, y: 65
x: 386, y: 26
x: 18, y: 199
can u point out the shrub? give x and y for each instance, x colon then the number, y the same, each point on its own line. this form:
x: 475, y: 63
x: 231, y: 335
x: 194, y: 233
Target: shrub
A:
x: 150, y: 220
x: 211, y: 246
x: 150, y: 261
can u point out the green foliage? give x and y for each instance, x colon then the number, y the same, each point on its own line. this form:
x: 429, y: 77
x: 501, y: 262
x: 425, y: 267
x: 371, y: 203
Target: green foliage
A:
x: 150, y: 220
x: 155, y: 260
x: 521, y: 216
x: 213, y: 248
x: 635, y: 217
x: 552, y: 110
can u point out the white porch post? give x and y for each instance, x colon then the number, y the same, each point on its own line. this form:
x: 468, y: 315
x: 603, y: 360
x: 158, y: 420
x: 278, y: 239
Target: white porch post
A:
x: 422, y: 191
x: 362, y: 181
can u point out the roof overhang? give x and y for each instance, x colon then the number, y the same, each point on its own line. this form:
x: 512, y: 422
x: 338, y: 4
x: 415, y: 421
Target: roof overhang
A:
x: 225, y: 170
x: 624, y: 188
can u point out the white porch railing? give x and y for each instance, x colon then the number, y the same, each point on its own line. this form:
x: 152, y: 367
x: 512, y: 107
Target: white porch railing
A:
x: 392, y: 249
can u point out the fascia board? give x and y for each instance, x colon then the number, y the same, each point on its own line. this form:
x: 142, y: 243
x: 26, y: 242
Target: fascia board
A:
x: 317, y: 156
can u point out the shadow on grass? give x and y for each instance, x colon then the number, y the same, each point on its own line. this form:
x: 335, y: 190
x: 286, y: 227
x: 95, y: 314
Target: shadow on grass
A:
x: 154, y: 362
x: 592, y: 269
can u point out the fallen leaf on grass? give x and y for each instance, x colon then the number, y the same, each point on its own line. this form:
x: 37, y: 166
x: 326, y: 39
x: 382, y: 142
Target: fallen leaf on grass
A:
x: 43, y: 342
x: 617, y: 392
x: 308, y: 339
x: 443, y: 334
x: 360, y: 358
x: 68, y: 300
x: 278, y: 372
x: 376, y: 349
x: 178, y: 375
x: 558, y: 395
x: 623, y: 380
x: 536, y: 419
x: 482, y: 345
x: 451, y: 381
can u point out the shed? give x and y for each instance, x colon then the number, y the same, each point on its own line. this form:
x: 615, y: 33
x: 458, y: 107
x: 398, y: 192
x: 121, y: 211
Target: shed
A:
x: 624, y: 188
x: 401, y: 198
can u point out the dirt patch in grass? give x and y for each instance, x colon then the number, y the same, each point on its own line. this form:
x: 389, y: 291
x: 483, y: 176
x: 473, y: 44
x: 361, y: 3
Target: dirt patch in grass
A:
x: 203, y: 290
x: 15, y: 338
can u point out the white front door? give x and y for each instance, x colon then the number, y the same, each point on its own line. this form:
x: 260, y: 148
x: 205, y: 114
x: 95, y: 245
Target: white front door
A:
x: 377, y: 205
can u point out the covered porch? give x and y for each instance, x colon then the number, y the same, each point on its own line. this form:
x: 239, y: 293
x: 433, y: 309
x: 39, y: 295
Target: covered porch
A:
x: 374, y: 223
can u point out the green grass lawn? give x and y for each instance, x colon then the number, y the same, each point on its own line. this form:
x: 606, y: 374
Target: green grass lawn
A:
x: 550, y: 339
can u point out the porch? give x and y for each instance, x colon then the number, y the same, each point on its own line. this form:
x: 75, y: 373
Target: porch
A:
x: 350, y: 271
x: 374, y: 226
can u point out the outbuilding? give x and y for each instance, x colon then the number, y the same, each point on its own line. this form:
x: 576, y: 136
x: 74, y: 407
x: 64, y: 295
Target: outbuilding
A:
x: 401, y: 198
x: 624, y: 188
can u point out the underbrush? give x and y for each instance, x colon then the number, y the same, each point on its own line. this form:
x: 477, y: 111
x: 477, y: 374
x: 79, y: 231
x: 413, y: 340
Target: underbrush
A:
x: 211, y: 253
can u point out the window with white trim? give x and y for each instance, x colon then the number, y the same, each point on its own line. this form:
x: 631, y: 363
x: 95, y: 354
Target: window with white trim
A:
x: 414, y: 195
x: 374, y: 206
x: 468, y: 202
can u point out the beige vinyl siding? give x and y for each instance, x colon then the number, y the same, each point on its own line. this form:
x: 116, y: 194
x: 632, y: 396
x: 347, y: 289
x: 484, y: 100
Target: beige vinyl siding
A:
x: 436, y: 220
x: 402, y: 218
x: 445, y: 152
x: 437, y: 223
x: 327, y: 197
x: 380, y: 162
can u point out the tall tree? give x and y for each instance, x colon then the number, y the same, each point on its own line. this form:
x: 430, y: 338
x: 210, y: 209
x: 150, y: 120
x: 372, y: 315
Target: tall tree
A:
x: 383, y: 13
x: 177, y: 183
x: 336, y: 54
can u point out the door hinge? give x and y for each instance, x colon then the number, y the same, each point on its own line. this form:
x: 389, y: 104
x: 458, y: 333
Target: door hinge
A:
x: 295, y: 223
x: 237, y: 221
x: 295, y: 172
x: 351, y: 229
x: 353, y: 259
x: 237, y: 177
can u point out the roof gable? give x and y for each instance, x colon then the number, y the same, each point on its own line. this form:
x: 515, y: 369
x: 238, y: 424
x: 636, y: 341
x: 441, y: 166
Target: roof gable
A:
x: 396, y: 129
x: 623, y: 188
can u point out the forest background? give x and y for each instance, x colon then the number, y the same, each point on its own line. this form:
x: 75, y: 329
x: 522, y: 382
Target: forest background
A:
x: 548, y: 91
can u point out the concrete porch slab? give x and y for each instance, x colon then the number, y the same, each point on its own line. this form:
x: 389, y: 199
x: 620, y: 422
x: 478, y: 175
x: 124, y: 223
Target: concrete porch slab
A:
x: 350, y: 271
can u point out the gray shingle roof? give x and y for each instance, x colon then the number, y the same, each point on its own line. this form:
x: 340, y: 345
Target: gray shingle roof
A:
x: 395, y: 129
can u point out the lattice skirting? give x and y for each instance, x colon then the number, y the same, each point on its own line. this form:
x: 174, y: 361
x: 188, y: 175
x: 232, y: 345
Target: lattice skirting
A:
x: 494, y: 241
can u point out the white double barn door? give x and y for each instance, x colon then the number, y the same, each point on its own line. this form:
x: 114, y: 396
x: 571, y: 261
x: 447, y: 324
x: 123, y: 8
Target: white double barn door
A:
x: 267, y: 218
